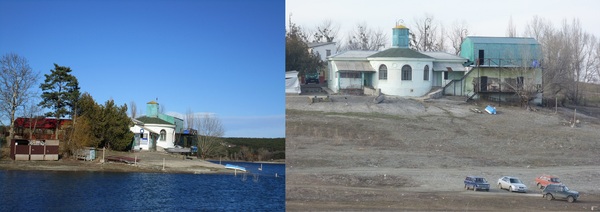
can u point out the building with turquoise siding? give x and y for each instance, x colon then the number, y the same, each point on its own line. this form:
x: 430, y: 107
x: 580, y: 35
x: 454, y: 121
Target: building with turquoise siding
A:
x: 155, y: 130
x: 498, y: 68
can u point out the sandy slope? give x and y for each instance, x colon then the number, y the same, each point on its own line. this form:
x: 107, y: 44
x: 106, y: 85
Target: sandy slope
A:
x: 407, y: 154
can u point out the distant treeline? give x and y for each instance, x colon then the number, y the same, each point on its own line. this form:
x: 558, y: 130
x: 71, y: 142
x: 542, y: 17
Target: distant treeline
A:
x: 256, y: 149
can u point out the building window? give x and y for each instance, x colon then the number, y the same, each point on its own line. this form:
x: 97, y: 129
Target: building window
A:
x: 350, y: 75
x: 445, y: 75
x: 163, y: 135
x: 328, y: 52
x: 426, y: 73
x: 406, y: 72
x: 382, y: 72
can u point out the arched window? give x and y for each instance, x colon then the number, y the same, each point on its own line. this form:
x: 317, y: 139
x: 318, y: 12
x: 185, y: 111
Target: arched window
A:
x: 426, y: 73
x: 406, y: 72
x: 163, y: 135
x: 382, y: 72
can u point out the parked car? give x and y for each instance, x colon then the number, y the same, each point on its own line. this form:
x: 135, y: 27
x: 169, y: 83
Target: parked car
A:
x: 545, y: 180
x: 312, y: 77
x: 559, y: 191
x: 511, y: 184
x: 476, y: 183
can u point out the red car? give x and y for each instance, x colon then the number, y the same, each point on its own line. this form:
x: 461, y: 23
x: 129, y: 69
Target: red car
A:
x: 545, y: 180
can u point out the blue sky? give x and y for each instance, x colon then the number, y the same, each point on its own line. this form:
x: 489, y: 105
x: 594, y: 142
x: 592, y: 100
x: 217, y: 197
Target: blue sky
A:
x: 220, y: 57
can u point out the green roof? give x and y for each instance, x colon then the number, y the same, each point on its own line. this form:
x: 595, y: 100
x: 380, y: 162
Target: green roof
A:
x: 400, y: 52
x: 151, y: 120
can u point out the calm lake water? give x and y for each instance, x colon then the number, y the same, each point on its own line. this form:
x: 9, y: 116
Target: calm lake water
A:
x: 104, y: 191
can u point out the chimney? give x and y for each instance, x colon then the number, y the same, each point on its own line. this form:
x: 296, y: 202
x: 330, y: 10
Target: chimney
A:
x: 400, y: 36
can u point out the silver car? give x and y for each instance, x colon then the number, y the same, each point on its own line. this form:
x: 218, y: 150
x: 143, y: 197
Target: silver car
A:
x: 511, y: 184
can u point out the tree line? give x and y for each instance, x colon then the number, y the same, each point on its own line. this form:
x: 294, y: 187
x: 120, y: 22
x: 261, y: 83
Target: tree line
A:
x: 570, y: 55
x: 255, y: 149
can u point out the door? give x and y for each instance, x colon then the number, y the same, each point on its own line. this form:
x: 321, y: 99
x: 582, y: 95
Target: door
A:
x: 368, y: 81
x: 481, y: 57
x: 483, y: 83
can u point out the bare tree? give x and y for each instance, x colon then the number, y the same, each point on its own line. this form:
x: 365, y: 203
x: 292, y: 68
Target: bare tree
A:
x: 569, y: 57
x: 589, y: 67
x: 210, y: 133
x: 579, y: 42
x: 457, y: 34
x: 33, y: 112
x: 364, y: 38
x: 133, y: 109
x: 325, y: 32
x: 297, y: 32
x: 527, y: 71
x: 262, y: 154
x: 597, y: 56
x: 425, y: 35
x: 511, y: 29
x: 538, y: 28
x: 441, y: 40
x: 16, y: 82
x: 246, y: 153
x: 190, y: 120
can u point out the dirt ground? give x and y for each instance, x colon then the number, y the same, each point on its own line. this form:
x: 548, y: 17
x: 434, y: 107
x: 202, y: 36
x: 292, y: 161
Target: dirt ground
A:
x: 413, y: 154
x: 148, y: 162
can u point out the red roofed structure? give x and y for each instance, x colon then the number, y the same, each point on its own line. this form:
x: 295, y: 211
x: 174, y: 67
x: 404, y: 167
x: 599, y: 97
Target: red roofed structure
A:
x: 41, y: 128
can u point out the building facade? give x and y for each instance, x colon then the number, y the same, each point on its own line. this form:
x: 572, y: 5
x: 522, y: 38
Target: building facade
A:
x: 398, y: 71
x: 155, y: 131
x: 502, y: 68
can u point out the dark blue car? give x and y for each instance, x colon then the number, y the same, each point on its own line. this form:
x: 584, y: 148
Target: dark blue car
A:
x: 476, y: 183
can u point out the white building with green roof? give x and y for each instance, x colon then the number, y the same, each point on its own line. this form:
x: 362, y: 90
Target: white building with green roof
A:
x: 155, y: 130
x: 398, y: 71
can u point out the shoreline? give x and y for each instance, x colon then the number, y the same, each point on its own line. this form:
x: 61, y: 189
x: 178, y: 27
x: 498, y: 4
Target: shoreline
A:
x: 150, y: 162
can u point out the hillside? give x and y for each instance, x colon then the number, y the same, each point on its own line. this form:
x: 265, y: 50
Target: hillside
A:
x: 413, y: 155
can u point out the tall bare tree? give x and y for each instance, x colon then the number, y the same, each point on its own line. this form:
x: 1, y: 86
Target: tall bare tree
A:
x: 511, y: 29
x: 538, y: 28
x: 364, y: 38
x: 133, y: 109
x: 210, y: 133
x: 457, y: 34
x: 16, y: 82
x: 569, y: 57
x: 579, y: 42
x: 441, y: 40
x: 190, y: 119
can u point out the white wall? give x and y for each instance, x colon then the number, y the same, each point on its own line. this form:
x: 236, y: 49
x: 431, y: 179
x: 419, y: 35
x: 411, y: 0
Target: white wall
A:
x: 169, y: 142
x: 394, y: 85
x: 322, y: 50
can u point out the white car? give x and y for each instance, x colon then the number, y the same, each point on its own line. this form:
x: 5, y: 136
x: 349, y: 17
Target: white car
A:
x: 511, y: 184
